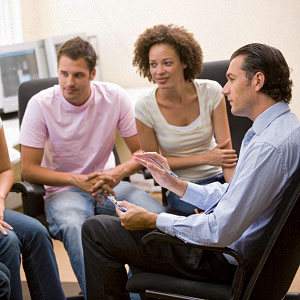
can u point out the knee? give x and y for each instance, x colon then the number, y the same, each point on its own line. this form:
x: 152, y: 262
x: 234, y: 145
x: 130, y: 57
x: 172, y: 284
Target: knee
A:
x: 10, y: 243
x: 98, y: 225
x: 39, y: 232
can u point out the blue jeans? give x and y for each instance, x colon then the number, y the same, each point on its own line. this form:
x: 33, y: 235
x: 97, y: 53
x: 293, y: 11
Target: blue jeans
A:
x: 30, y: 239
x: 67, y: 210
x: 4, y: 282
x: 184, y: 208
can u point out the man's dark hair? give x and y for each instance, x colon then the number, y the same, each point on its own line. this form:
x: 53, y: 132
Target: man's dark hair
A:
x: 269, y: 61
x: 78, y: 48
x: 184, y: 43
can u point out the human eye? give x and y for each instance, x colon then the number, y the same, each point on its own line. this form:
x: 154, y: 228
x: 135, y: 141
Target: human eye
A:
x: 153, y: 64
x: 168, y: 63
x: 79, y: 75
x: 64, y: 73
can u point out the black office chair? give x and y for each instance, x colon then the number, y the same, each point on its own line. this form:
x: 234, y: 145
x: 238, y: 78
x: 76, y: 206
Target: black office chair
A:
x: 277, y: 254
x: 216, y: 70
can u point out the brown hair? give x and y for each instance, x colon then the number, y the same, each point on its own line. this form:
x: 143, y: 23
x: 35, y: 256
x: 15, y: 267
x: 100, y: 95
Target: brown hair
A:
x: 187, y: 48
x: 78, y: 48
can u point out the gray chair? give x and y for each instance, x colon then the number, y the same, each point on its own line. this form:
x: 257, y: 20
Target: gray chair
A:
x: 277, y: 255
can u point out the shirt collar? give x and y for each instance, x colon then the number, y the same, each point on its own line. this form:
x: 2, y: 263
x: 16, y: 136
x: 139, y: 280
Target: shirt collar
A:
x: 269, y: 115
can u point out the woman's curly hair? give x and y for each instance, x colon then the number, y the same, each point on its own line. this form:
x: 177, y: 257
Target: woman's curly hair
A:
x: 187, y: 48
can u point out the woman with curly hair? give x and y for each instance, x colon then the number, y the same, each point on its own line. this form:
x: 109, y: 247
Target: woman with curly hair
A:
x: 183, y: 118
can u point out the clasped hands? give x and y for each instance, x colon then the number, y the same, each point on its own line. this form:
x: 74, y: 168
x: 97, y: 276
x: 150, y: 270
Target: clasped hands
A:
x: 97, y: 183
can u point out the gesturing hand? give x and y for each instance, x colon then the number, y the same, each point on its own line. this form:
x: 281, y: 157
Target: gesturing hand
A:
x: 161, y: 176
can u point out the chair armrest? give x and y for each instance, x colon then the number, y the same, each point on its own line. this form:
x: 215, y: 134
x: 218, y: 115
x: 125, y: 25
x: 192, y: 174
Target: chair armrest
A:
x: 240, y: 272
x: 165, y: 238
x: 25, y: 187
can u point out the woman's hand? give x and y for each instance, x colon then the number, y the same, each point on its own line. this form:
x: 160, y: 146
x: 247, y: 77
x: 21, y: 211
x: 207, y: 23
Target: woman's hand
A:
x: 220, y: 156
x: 3, y: 224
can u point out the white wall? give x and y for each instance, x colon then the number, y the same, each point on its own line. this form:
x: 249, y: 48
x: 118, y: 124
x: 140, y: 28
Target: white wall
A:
x: 220, y: 26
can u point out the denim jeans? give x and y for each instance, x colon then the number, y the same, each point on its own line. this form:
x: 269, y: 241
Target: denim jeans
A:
x: 67, y: 210
x: 31, y: 240
x: 4, y: 282
x: 184, y: 208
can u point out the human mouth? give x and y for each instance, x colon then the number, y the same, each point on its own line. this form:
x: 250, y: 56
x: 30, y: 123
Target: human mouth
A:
x: 161, y: 80
x: 70, y: 90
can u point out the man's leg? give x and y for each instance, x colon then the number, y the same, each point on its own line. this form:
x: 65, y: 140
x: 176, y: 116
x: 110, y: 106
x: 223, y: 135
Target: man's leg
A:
x: 126, y: 191
x: 65, y: 213
x: 108, y: 246
x: 104, y: 257
x: 31, y: 239
x: 4, y: 282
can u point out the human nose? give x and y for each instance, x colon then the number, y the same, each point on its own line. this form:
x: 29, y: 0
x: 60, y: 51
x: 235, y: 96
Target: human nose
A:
x: 160, y: 69
x: 225, y: 90
x: 70, y: 80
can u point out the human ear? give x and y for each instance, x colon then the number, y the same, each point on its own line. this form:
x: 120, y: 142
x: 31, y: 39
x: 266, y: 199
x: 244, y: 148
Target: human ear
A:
x: 93, y: 74
x: 259, y: 81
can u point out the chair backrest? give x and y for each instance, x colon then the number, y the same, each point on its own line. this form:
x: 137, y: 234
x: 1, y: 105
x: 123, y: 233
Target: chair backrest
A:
x: 216, y: 70
x: 279, y: 255
x: 28, y: 89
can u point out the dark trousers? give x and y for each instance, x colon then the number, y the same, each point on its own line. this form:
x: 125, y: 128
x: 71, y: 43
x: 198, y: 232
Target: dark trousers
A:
x: 108, y: 246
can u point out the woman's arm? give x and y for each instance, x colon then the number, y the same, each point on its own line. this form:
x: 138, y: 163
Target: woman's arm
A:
x: 219, y: 156
x: 6, y: 170
x: 147, y: 137
x: 222, y: 133
x: 6, y: 173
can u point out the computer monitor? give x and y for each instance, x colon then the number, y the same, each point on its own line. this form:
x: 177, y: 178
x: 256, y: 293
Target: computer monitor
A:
x: 19, y: 63
x: 53, y: 43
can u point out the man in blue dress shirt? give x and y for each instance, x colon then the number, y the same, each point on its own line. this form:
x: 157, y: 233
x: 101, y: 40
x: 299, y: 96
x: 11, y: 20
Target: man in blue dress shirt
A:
x: 235, y: 214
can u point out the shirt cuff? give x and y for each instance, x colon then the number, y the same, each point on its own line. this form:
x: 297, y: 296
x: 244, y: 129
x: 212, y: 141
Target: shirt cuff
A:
x: 165, y: 223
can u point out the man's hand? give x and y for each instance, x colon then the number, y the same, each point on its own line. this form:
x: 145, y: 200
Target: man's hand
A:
x: 94, y: 184
x: 161, y: 176
x: 136, y: 217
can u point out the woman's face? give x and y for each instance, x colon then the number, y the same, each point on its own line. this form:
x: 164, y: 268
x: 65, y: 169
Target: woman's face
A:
x: 165, y: 66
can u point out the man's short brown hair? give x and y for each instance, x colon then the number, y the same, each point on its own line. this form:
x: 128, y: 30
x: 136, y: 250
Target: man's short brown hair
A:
x: 78, y: 48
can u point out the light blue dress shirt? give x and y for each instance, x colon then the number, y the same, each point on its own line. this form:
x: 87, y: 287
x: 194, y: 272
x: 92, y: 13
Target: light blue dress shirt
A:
x: 237, y: 213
